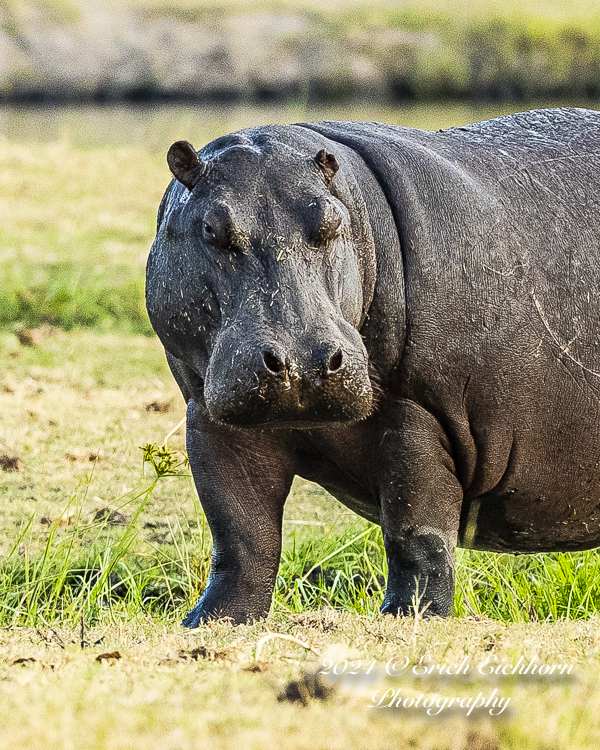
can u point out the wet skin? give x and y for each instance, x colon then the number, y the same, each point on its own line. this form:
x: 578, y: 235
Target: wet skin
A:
x: 407, y: 318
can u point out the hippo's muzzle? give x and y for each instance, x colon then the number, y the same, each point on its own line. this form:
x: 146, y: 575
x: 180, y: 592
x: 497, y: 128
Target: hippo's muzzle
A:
x: 278, y: 386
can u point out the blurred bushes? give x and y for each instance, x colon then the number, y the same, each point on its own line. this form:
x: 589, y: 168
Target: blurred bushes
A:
x: 300, y: 52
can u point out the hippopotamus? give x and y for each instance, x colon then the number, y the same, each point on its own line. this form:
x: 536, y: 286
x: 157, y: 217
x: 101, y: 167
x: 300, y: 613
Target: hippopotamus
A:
x: 411, y: 319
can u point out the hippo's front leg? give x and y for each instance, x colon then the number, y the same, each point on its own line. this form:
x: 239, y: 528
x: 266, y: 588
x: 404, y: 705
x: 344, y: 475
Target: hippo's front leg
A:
x: 243, y: 478
x: 420, y: 512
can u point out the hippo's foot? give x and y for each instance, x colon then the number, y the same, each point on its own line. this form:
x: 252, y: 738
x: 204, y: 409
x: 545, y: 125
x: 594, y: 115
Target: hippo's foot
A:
x: 209, y: 609
x: 391, y: 607
x: 403, y: 606
x: 194, y: 617
x: 420, y: 574
x: 238, y: 607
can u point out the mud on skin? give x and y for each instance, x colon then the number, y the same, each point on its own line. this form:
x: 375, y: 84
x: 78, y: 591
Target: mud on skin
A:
x: 460, y: 266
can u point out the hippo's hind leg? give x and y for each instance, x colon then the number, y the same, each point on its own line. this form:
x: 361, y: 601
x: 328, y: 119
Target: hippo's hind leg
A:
x: 420, y: 500
x: 243, y: 478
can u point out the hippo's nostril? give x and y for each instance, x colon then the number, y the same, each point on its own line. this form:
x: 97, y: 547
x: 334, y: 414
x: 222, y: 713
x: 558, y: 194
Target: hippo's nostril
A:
x: 336, y: 361
x: 273, y: 363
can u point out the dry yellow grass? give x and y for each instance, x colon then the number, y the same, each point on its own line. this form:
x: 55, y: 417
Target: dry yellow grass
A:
x: 74, y: 411
x: 77, y: 394
x: 181, y: 691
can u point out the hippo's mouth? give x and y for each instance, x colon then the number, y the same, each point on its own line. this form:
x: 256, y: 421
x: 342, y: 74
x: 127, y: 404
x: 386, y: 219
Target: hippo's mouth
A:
x: 303, y: 406
x: 295, y: 424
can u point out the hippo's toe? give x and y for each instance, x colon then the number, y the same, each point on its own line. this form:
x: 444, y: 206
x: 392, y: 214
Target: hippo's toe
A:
x: 193, y: 618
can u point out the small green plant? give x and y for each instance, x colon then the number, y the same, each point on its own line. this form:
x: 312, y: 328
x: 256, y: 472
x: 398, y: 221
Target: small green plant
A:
x: 165, y: 461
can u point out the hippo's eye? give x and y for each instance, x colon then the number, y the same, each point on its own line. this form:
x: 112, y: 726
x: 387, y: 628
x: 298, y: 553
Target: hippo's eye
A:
x: 220, y: 229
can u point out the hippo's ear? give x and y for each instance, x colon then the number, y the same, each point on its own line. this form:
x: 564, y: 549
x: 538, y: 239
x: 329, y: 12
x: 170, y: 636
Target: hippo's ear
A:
x: 184, y: 163
x: 328, y: 164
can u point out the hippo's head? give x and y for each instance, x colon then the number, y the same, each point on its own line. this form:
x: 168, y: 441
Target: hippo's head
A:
x: 260, y: 277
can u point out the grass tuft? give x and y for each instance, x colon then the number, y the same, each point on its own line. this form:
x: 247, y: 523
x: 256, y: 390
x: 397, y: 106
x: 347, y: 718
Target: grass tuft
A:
x: 95, y: 571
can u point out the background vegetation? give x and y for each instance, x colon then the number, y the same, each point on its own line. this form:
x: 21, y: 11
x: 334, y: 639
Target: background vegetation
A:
x: 299, y: 50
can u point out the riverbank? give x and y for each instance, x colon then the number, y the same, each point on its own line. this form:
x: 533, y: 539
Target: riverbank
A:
x: 296, y: 52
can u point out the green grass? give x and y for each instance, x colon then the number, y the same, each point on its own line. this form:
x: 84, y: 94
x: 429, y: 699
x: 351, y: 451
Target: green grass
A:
x: 77, y: 229
x: 59, y: 294
x: 88, y: 569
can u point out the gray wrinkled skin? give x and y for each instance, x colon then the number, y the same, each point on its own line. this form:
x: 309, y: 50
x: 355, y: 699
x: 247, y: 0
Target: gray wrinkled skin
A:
x: 417, y: 332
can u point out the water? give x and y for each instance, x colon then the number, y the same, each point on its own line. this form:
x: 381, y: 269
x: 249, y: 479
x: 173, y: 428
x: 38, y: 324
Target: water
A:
x: 154, y: 128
